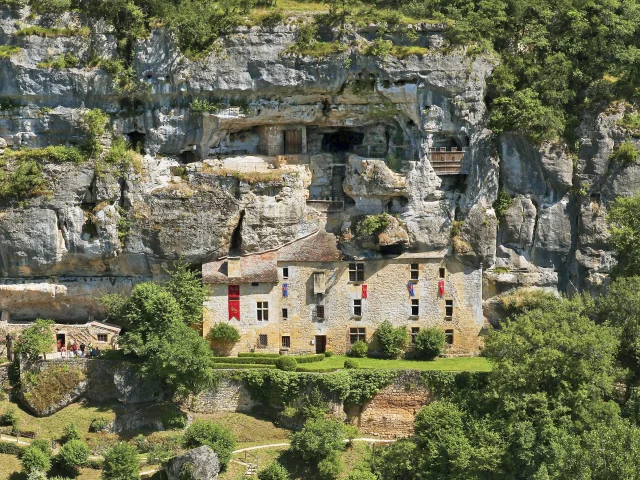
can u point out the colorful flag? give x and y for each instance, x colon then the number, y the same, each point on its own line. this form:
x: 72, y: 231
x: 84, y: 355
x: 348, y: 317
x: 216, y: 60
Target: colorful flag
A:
x: 234, y: 292
x: 285, y: 289
x: 410, y: 288
x: 234, y: 302
x: 441, y: 287
x: 364, y: 291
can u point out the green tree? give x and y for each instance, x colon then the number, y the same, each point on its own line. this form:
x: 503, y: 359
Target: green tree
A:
x: 274, y: 471
x: 317, y: 446
x: 219, y: 438
x: 33, y: 459
x: 392, y: 340
x: 121, y: 463
x: 187, y: 288
x: 429, y: 343
x: 73, y: 455
x: 70, y: 432
x: 37, y: 339
x: 223, y: 337
x: 624, y: 226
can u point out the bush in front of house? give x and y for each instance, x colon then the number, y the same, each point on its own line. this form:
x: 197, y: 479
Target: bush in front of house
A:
x: 392, y: 340
x: 429, y: 343
x: 121, y: 463
x: 33, y: 459
x: 223, y: 337
x: 73, y: 455
x: 359, y: 349
x: 220, y: 439
x: 288, y: 364
x: 328, y: 354
x: 351, y: 363
x: 274, y: 471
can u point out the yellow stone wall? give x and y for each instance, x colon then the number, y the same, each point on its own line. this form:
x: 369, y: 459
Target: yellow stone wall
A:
x: 388, y: 299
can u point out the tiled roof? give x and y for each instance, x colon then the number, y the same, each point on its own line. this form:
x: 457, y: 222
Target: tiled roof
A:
x: 261, y: 268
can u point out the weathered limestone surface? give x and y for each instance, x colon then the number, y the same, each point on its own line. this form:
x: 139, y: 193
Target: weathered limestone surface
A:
x: 202, y: 464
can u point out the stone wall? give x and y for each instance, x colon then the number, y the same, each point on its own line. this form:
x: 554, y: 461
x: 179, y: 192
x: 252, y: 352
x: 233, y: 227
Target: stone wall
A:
x: 229, y: 396
x: 391, y: 412
x: 4, y: 374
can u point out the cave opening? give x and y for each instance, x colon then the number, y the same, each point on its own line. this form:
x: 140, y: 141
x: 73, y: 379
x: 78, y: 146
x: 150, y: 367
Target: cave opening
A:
x: 137, y: 141
x: 341, y: 141
x: 89, y: 230
x: 236, y: 238
x: 188, y: 156
x: 392, y: 250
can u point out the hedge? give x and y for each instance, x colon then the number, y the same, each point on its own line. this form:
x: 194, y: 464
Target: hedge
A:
x: 310, y: 358
x: 317, y: 370
x: 256, y: 360
x: 258, y: 354
x: 11, y: 448
x: 226, y: 366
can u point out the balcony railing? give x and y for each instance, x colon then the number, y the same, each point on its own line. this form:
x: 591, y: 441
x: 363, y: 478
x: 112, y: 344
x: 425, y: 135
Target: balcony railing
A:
x: 448, y: 161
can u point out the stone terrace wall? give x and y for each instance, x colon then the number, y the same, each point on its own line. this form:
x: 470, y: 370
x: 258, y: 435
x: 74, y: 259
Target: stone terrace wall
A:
x: 229, y: 396
x: 391, y: 412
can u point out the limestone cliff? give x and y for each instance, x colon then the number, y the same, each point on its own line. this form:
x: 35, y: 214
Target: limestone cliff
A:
x: 206, y: 185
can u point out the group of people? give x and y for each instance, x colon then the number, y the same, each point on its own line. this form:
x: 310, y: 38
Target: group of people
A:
x: 76, y: 350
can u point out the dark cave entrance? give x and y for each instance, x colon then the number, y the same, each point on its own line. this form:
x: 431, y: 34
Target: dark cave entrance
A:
x: 137, y: 141
x: 342, y: 141
x: 236, y: 238
x: 188, y: 156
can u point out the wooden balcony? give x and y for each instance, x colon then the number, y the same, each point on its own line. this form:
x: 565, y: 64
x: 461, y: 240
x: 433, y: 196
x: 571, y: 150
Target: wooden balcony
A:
x: 448, y: 161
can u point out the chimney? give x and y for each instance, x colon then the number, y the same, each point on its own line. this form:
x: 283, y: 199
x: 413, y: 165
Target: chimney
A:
x: 233, y: 267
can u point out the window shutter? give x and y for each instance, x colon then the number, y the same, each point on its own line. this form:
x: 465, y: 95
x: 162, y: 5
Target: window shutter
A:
x: 318, y: 283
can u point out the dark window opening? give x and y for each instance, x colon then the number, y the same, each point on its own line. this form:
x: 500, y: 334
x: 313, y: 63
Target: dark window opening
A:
x: 262, y: 341
x: 395, y: 249
x: 137, y: 141
x: 356, y: 272
x: 61, y: 340
x: 255, y: 284
x: 285, y: 313
x: 321, y: 343
x: 415, y: 307
x: 357, y: 308
x: 448, y: 337
x: 102, y: 337
x: 415, y: 271
x: 414, y: 333
x: 357, y: 335
x: 319, y: 311
x: 448, y: 308
x: 236, y: 238
x: 286, y: 341
x: 441, y: 272
x: 344, y: 140
x: 262, y: 311
x: 188, y: 156
x: 285, y: 272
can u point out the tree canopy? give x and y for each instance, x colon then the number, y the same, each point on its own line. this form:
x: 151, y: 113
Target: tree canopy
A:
x: 624, y: 222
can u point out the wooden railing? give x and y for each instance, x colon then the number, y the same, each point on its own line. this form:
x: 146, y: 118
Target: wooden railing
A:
x: 448, y: 161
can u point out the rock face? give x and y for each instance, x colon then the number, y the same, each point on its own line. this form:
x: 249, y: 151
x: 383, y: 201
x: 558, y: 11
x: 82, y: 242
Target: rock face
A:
x: 202, y: 463
x: 203, y: 187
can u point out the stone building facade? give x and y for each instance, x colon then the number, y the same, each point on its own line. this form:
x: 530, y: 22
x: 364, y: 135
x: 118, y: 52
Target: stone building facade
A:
x: 306, y: 298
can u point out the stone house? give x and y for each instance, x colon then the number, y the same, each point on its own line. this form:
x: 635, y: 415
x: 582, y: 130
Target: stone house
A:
x: 306, y: 298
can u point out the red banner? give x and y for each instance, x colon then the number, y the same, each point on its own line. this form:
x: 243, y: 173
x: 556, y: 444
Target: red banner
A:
x: 441, y: 287
x: 234, y: 292
x: 234, y: 309
x: 364, y: 291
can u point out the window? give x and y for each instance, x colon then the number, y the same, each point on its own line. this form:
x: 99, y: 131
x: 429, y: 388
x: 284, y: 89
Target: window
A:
x: 102, y: 337
x: 415, y: 307
x: 286, y: 341
x: 319, y: 311
x: 448, y: 337
x: 448, y: 308
x: 262, y: 340
x: 357, y: 307
x: 254, y: 284
x: 414, y: 332
x: 415, y: 271
x: 356, y: 272
x: 442, y: 272
x: 285, y: 272
x: 262, y: 311
x: 357, y: 334
x: 285, y: 314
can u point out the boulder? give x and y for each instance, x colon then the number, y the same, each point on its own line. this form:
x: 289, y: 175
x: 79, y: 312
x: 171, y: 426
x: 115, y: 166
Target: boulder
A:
x: 198, y: 464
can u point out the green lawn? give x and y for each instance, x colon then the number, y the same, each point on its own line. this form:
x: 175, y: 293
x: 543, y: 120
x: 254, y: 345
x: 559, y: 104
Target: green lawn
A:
x: 456, y: 364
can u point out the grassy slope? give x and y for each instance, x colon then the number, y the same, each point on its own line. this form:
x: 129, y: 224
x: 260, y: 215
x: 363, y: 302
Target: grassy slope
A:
x: 461, y: 364
x: 249, y: 430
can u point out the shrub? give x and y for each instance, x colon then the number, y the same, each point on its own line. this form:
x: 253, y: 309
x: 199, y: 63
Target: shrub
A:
x: 36, y: 339
x: 359, y: 349
x: 219, y: 438
x: 70, y: 432
x: 351, y: 363
x: 361, y: 475
x: 626, y: 152
x: 329, y: 468
x: 11, y: 448
x: 502, y: 203
x: 380, y: 48
x: 373, y: 224
x: 98, y: 424
x: 392, y: 340
x: 43, y: 445
x: 73, y: 454
x: 121, y: 463
x: 288, y: 364
x: 33, y: 459
x: 274, y: 471
x: 223, y: 337
x: 318, y: 439
x: 95, y: 122
x: 9, y: 418
x: 429, y: 343
x: 122, y: 156
x: 328, y: 354
x: 200, y: 106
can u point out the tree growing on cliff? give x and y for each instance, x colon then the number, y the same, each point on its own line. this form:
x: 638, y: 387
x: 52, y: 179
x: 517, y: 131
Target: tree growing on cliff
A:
x: 624, y: 225
x: 37, y: 339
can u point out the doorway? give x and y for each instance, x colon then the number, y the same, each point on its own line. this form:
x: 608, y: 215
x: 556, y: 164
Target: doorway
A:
x: 61, y: 340
x: 321, y: 343
x: 292, y: 142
